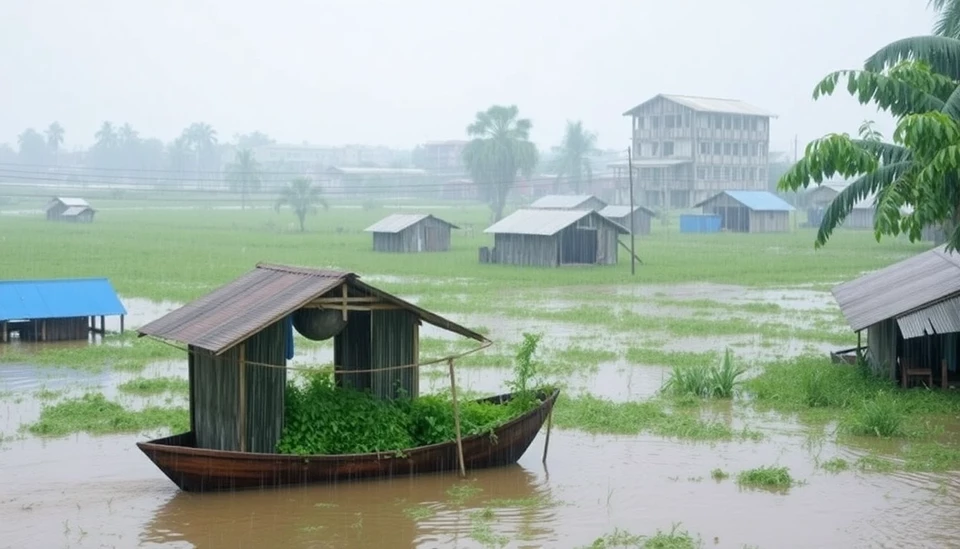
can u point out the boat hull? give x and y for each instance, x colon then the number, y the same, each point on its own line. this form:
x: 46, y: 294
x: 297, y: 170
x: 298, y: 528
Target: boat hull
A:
x: 201, y: 470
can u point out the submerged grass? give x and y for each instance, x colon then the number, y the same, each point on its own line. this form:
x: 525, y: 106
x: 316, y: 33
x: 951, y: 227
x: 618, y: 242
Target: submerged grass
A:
x: 601, y: 416
x: 155, y: 386
x: 94, y: 414
x: 766, y: 477
x: 675, y: 538
x: 119, y: 352
x: 705, y: 381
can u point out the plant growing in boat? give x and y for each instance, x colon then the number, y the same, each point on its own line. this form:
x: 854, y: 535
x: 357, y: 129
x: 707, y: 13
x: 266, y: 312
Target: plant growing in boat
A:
x: 321, y: 418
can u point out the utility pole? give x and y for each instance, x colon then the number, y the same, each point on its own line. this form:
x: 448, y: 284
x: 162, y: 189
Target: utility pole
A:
x: 633, y: 255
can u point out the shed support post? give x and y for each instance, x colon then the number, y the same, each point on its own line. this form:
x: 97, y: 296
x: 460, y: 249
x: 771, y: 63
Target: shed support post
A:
x: 3, y: 333
x: 456, y: 418
x: 121, y: 324
x: 43, y: 330
x: 103, y: 325
x: 242, y: 399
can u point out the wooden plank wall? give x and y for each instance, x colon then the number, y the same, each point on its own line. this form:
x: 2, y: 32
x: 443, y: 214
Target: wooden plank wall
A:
x: 393, y: 339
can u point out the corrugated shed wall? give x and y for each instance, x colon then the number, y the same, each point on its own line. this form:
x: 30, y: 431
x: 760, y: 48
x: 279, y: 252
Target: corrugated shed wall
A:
x: 214, y: 388
x: 429, y: 235
x: 882, y: 348
x: 394, y: 344
x: 769, y: 222
x: 351, y: 351
x: 608, y: 248
x: 387, y: 242
x: 520, y: 249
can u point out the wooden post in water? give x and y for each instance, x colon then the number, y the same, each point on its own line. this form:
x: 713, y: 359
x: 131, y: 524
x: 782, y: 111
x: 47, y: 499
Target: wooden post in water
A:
x: 456, y: 418
x: 242, y: 401
x: 546, y: 443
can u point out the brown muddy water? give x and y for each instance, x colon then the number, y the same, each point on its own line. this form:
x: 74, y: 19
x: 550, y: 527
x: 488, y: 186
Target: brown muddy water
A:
x: 83, y: 491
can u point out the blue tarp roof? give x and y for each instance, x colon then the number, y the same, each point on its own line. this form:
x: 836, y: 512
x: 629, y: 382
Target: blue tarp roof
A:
x: 760, y: 201
x: 59, y: 298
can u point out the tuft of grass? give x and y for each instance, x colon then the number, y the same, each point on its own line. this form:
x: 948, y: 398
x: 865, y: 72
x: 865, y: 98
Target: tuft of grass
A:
x: 155, y: 386
x: 882, y: 416
x: 47, y: 394
x: 720, y: 381
x: 835, y: 465
x: 596, y: 415
x: 462, y: 491
x: 675, y: 538
x: 719, y: 474
x: 94, y: 414
x: 420, y: 512
x: 766, y: 477
x: 481, y: 528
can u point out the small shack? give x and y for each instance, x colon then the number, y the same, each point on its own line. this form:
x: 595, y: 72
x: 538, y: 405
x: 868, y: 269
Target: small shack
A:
x: 74, y: 210
x: 639, y: 220
x: 56, y: 310
x: 819, y: 198
x: 749, y: 211
x: 911, y: 313
x: 411, y: 233
x: 239, y: 337
x: 550, y: 238
x: 569, y: 202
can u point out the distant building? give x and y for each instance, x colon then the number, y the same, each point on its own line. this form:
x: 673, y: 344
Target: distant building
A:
x: 639, y: 221
x: 686, y: 149
x: 56, y: 310
x: 75, y: 210
x: 382, y: 182
x: 411, y: 233
x: 442, y: 156
x: 568, y: 202
x: 550, y: 238
x: 749, y: 211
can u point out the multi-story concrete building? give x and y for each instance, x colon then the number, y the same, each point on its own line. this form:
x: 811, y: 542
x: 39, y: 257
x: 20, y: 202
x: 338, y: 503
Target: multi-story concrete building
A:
x: 442, y: 156
x: 687, y: 149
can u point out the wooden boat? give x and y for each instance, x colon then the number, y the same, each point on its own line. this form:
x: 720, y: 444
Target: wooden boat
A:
x: 200, y: 470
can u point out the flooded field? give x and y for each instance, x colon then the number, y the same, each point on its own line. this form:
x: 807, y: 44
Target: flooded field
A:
x: 79, y: 490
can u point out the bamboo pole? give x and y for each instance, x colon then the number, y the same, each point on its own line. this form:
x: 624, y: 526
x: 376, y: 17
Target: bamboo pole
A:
x: 546, y: 443
x: 242, y: 401
x: 456, y: 419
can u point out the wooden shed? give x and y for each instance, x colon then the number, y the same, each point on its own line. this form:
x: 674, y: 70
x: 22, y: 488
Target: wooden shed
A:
x: 569, y: 202
x: 411, y: 233
x: 75, y: 210
x: 550, y: 238
x: 639, y: 220
x: 749, y: 211
x: 64, y: 309
x: 911, y: 314
x: 240, y: 336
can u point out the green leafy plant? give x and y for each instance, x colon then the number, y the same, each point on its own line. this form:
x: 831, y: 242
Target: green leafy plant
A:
x: 718, y: 381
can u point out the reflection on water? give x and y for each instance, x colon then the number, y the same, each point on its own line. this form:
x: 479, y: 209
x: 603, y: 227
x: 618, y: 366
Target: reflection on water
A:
x: 425, y: 511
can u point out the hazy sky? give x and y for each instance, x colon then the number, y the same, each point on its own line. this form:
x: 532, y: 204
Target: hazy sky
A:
x: 398, y: 73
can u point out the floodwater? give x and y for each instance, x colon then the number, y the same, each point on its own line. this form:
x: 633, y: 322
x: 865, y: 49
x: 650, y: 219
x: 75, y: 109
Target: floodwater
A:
x: 82, y: 491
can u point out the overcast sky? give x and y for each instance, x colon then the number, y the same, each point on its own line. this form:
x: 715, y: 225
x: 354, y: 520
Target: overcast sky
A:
x: 398, y: 73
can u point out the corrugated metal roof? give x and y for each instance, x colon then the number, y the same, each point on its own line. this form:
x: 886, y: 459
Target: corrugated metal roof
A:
x: 940, y: 318
x: 395, y: 223
x: 900, y: 288
x: 623, y: 211
x: 758, y: 201
x: 72, y: 201
x: 544, y: 222
x: 75, y: 210
x: 563, y: 201
x: 234, y: 312
x: 710, y: 104
x: 58, y: 298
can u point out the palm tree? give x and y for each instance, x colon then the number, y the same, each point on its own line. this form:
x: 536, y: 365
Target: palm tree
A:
x: 203, y: 138
x: 573, y: 162
x: 54, y: 139
x: 301, y: 197
x: 105, y: 148
x: 243, y: 174
x: 178, y: 157
x: 500, y: 149
x: 948, y: 20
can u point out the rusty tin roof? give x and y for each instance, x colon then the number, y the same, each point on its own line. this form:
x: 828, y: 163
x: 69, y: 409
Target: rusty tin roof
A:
x: 234, y: 312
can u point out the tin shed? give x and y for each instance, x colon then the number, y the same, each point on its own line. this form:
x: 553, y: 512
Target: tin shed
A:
x: 411, y: 233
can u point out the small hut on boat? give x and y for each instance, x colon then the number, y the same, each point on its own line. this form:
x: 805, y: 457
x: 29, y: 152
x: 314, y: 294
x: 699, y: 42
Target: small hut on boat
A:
x: 240, y: 336
x: 411, y: 233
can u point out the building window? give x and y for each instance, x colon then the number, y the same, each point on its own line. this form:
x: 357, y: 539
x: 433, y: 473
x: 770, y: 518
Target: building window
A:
x: 717, y: 121
x: 726, y: 148
x: 654, y: 122
x: 701, y: 173
x: 736, y: 149
x: 761, y: 174
x: 671, y: 121
x: 668, y: 148
x: 726, y: 173
x: 704, y: 148
x: 727, y: 122
x: 737, y: 123
x: 654, y: 149
x: 735, y: 174
x: 718, y: 148
x: 716, y: 172
x: 639, y: 122
x: 753, y: 124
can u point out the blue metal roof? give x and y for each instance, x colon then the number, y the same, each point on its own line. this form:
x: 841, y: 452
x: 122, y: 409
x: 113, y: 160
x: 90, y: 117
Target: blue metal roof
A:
x: 58, y: 298
x: 758, y: 201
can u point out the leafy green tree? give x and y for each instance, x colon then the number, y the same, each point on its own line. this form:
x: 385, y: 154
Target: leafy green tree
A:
x: 243, y: 175
x: 914, y: 177
x: 573, y: 162
x: 500, y: 149
x: 302, y: 197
